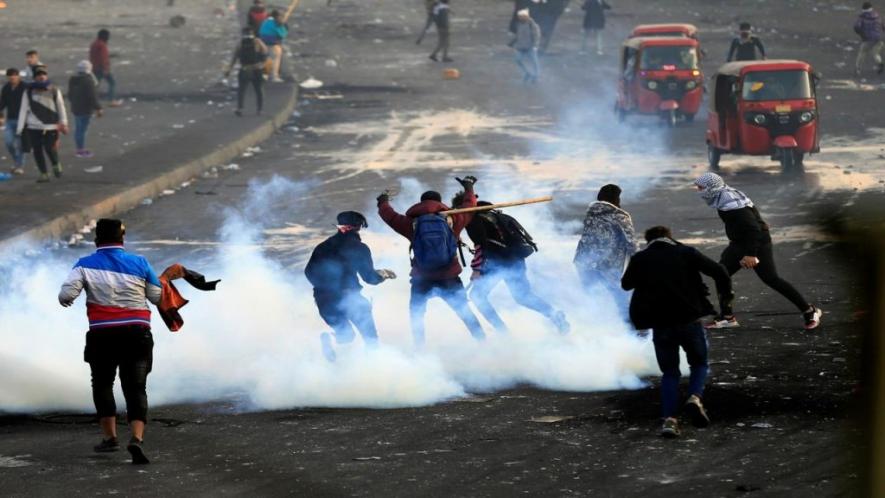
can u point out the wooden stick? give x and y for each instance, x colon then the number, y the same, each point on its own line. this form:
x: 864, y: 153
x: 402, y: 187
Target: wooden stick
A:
x: 497, y: 206
x: 291, y: 9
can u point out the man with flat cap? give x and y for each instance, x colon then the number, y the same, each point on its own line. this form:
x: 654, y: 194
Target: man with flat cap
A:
x: 118, y: 287
x: 334, y: 270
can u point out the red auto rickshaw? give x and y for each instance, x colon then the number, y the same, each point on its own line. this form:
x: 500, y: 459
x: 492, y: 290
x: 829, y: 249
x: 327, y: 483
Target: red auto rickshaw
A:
x: 764, y: 108
x: 660, y: 76
x: 666, y: 30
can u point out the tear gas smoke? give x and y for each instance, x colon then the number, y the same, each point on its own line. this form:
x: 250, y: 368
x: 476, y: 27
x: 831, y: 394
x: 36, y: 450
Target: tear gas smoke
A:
x: 256, y: 338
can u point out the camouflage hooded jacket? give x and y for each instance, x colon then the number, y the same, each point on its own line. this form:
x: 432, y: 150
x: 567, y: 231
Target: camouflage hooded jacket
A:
x: 607, y: 241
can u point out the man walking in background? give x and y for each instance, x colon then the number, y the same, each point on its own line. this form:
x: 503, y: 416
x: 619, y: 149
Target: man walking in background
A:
x: 83, y: 94
x: 11, y: 103
x: 871, y: 30
x: 32, y: 61
x: 334, y: 269
x: 607, y: 242
x: 100, y: 57
x: 746, y: 47
x: 440, y: 14
x: 669, y: 297
x: 118, y: 286
x: 526, y: 40
x: 42, y: 117
x: 251, y: 53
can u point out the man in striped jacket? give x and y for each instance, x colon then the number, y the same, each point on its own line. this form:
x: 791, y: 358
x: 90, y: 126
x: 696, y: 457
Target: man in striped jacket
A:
x: 118, y: 286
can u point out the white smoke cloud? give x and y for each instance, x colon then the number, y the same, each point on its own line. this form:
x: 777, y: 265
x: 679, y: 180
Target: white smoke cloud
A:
x: 256, y: 339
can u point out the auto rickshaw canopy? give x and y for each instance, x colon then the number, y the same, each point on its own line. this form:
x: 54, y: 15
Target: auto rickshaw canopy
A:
x: 668, y: 29
x: 662, y: 41
x: 740, y: 68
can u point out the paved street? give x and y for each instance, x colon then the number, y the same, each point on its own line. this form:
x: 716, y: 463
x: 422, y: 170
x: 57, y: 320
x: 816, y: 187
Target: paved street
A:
x: 243, y: 400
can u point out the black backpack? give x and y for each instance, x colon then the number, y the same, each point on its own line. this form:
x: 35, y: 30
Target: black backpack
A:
x: 507, y: 236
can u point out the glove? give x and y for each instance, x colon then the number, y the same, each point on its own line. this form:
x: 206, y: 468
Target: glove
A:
x: 386, y: 274
x: 384, y: 197
x: 467, y: 182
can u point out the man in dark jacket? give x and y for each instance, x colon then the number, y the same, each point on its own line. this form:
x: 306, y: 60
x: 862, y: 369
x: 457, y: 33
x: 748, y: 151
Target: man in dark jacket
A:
x: 870, y: 28
x: 443, y: 282
x: 83, y: 94
x: 440, y: 14
x: 251, y: 53
x: 749, y: 246
x: 495, y: 259
x: 745, y: 46
x: 11, y: 102
x: 332, y: 270
x: 594, y: 22
x: 669, y: 297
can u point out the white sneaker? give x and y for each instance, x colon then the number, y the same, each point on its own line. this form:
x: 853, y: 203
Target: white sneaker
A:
x: 812, y: 318
x: 721, y: 322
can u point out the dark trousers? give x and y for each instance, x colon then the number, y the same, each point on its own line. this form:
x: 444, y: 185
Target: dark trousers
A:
x: 452, y: 292
x: 112, y: 83
x: 40, y: 142
x: 513, y: 274
x: 667, y: 340
x: 765, y: 270
x: 255, y: 77
x: 442, y: 44
x: 343, y: 311
x: 129, y: 348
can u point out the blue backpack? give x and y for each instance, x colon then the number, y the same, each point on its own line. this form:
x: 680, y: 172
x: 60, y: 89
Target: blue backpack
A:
x: 434, y: 244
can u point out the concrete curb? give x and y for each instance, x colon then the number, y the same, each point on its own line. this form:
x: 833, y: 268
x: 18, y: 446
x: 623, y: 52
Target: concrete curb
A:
x: 66, y: 224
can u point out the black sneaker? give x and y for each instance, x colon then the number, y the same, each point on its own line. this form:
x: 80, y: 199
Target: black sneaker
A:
x: 137, y: 451
x: 433, y: 58
x: 107, y: 446
x: 812, y: 318
x: 696, y: 412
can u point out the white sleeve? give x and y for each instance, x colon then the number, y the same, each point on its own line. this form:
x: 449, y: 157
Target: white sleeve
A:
x: 22, y: 114
x: 72, y: 287
x: 62, y: 111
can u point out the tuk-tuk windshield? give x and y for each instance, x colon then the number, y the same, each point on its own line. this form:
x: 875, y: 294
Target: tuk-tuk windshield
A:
x: 672, y: 57
x: 777, y: 85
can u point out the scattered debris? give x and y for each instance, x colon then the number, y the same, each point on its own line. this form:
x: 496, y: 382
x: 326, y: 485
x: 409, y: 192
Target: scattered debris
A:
x: 550, y: 419
x: 311, y: 84
x: 94, y: 169
x: 231, y: 167
x: 364, y: 459
x: 167, y: 192
x: 331, y: 63
x: 177, y: 21
x: 762, y: 425
x: 147, y: 201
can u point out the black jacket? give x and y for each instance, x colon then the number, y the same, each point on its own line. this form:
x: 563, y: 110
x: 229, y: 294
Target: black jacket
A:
x: 83, y: 94
x: 336, y: 262
x: 746, y: 229
x: 11, y: 99
x: 745, y: 50
x: 667, y: 284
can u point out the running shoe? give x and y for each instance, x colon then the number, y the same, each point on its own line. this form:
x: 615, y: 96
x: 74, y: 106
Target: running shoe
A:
x: 433, y: 58
x: 812, y: 318
x: 43, y: 178
x: 670, y: 429
x: 722, y: 322
x: 56, y: 170
x: 18, y: 171
x: 107, y: 446
x: 696, y: 412
x: 137, y: 451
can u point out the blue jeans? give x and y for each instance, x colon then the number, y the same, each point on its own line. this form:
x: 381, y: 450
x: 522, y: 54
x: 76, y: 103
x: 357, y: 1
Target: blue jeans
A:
x: 534, y: 70
x: 513, y: 274
x: 13, y: 143
x: 81, y: 124
x: 452, y: 292
x: 112, y: 83
x: 692, y: 338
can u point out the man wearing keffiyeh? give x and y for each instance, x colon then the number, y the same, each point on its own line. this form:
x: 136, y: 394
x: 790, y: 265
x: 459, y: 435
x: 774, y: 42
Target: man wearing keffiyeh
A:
x: 749, y: 246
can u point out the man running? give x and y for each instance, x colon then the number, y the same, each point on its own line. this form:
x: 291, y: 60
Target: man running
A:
x: 333, y: 270
x: 41, y: 118
x: 749, y: 246
x: 118, y: 286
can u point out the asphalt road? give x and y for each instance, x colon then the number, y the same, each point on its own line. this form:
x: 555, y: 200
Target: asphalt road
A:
x: 782, y: 400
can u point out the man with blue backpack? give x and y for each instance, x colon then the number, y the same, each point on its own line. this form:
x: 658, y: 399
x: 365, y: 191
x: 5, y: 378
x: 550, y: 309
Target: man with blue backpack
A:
x: 435, y: 266
x: 500, y: 248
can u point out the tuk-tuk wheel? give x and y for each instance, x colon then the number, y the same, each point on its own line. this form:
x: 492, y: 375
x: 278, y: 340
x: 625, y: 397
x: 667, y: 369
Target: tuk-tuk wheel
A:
x: 713, y: 156
x: 671, y: 118
x: 791, y: 160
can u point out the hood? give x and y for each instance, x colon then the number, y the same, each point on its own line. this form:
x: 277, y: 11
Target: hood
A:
x: 426, y: 207
x: 599, y: 208
x: 869, y: 14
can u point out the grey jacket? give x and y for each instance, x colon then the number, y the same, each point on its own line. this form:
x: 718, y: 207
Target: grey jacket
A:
x: 528, y: 35
x: 607, y: 242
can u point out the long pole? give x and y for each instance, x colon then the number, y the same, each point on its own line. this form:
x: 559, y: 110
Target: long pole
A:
x: 291, y: 9
x: 498, y: 206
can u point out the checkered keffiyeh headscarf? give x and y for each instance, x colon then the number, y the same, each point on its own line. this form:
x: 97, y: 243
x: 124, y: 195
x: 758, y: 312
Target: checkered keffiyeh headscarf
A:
x: 719, y: 195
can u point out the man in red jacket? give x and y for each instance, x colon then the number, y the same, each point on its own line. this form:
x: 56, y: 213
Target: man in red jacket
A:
x: 100, y: 57
x: 445, y: 282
